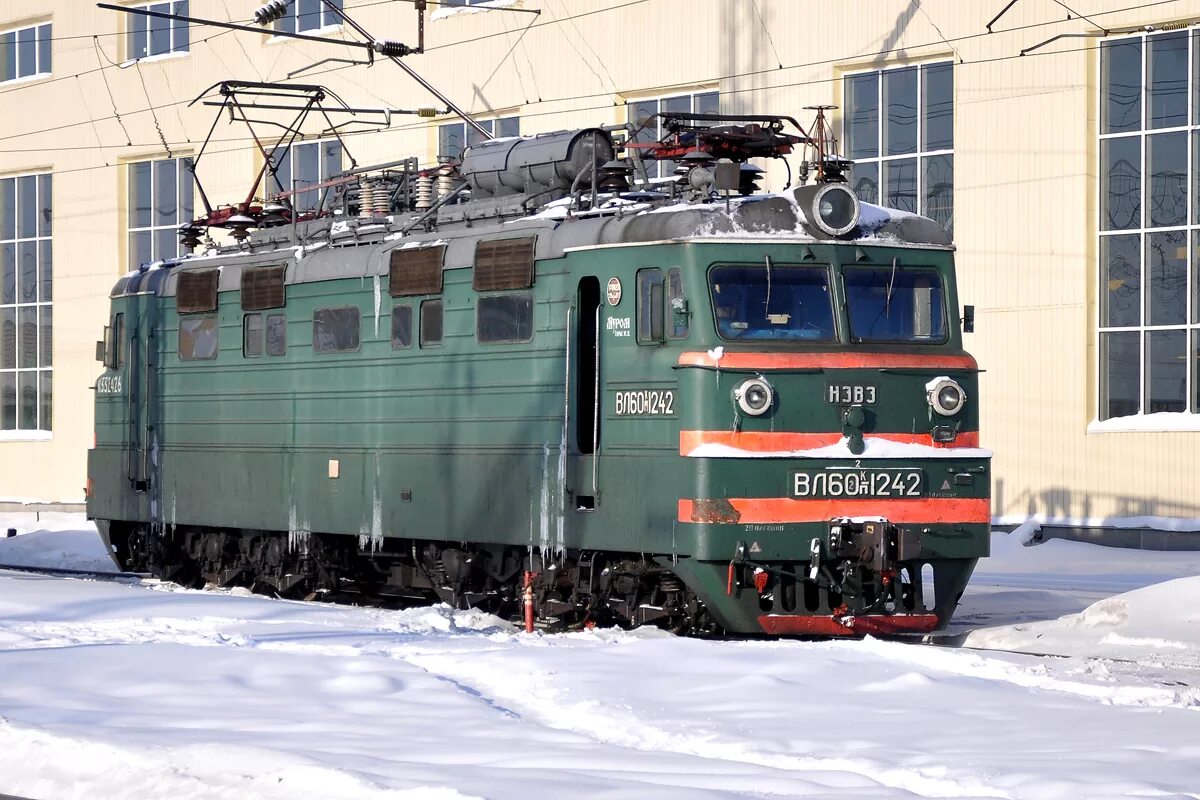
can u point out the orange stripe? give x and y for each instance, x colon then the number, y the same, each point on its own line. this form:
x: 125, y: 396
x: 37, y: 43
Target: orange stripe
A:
x: 774, y: 510
x: 782, y: 441
x: 828, y: 360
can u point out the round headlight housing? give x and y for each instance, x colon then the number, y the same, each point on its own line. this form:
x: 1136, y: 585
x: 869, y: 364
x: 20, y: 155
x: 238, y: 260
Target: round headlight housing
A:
x: 946, y: 396
x: 754, y: 396
x: 830, y: 207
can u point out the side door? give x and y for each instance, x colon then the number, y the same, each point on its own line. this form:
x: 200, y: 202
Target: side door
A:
x: 583, y: 394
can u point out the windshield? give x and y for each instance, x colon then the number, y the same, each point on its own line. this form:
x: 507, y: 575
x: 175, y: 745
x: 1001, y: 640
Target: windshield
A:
x: 769, y: 301
x: 895, y: 305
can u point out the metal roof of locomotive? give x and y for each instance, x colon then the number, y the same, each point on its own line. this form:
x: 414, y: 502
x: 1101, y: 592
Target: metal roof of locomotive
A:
x: 339, y: 247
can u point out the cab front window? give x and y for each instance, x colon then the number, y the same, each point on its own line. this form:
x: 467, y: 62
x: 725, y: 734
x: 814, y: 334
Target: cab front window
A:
x: 887, y: 304
x: 772, y: 301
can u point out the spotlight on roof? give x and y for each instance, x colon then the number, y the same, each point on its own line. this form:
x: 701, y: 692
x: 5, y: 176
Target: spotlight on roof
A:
x: 270, y: 12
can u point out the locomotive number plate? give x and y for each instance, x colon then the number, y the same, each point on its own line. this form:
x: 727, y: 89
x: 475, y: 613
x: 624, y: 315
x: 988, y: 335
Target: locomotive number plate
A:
x: 872, y: 483
x: 850, y: 394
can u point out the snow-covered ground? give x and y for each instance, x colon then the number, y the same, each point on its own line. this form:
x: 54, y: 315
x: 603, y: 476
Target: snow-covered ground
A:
x: 138, y: 689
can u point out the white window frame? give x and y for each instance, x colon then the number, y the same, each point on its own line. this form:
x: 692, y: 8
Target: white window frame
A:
x: 37, y: 51
x: 656, y: 166
x: 1189, y: 418
x: 43, y: 429
x: 152, y: 228
x: 491, y: 121
x: 272, y: 190
x: 918, y: 155
x: 294, y: 13
x: 172, y: 51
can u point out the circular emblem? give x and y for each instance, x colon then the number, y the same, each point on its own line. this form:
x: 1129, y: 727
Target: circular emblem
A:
x: 614, y: 291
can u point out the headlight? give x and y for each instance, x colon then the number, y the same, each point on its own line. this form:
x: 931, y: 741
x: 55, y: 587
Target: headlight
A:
x: 754, y: 396
x: 946, y: 396
x: 831, y: 207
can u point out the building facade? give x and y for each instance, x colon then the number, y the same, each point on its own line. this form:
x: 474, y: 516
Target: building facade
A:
x: 1067, y: 174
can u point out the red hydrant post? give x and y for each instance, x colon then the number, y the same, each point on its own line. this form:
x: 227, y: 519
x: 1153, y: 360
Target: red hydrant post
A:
x: 528, y: 601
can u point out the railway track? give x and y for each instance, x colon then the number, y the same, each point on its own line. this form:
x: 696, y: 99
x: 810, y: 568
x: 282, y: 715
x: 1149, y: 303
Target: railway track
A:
x: 74, y: 573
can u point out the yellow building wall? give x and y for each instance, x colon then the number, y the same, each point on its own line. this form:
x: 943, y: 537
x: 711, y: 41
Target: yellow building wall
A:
x: 1024, y: 160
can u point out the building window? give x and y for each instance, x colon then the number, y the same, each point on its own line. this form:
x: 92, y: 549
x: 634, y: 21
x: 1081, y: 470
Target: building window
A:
x: 453, y: 135
x: 640, y: 112
x: 25, y: 53
x: 483, y: 3
x: 1149, y: 287
x: 155, y: 36
x: 26, y: 292
x: 160, y: 200
x: 308, y: 15
x: 904, y: 156
x: 310, y: 163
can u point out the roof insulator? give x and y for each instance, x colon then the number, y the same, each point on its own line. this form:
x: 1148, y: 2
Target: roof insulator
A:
x: 270, y: 12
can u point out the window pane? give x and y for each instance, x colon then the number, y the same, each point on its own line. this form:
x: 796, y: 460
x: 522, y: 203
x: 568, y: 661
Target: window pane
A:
x: 288, y: 22
x: 166, y: 244
x: 937, y: 107
x: 1166, y: 278
x: 1120, y: 183
x: 332, y: 18
x: 474, y: 137
x: 1167, y: 156
x: 46, y: 281
x: 1167, y: 79
x: 450, y: 138
x: 799, y: 304
x: 8, y: 208
x: 1121, y: 281
x: 308, y: 14
x: 505, y: 318
x: 640, y: 114
x: 140, y: 249
x: 186, y: 190
x: 45, y: 205
x: 1166, y: 371
x: 252, y: 335
x: 8, y: 273
x: 45, y: 336
x: 1120, y: 371
x: 508, y: 126
x: 865, y: 176
x: 938, y: 202
x: 331, y: 159
x: 431, y: 322
x: 708, y: 103
x: 180, y: 29
x: 676, y: 302
x: 44, y: 51
x: 160, y: 30
x: 276, y: 334
x: 8, y: 400
x: 27, y: 208
x: 8, y: 56
x: 26, y: 52
x: 862, y: 116
x: 900, y: 101
x: 889, y: 305
x: 27, y: 337
x: 1121, y: 85
x: 283, y: 171
x: 197, y: 338
x: 401, y: 327
x: 166, y: 196
x: 46, y: 412
x: 900, y: 184
x: 1195, y: 371
x: 305, y: 159
x: 335, y: 330
x: 27, y: 401
x: 139, y: 195
x: 8, y: 338
x: 650, y: 304
x: 138, y: 39
x: 27, y: 272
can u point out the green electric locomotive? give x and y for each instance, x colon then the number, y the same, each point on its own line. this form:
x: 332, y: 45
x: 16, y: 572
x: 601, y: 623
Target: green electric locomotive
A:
x: 689, y: 405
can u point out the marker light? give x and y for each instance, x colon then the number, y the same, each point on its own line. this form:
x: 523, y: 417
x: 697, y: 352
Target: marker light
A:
x: 754, y: 396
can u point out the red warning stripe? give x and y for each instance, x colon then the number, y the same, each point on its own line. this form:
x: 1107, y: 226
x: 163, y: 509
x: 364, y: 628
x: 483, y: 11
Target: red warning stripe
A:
x: 785, y: 441
x: 775, y: 510
x: 768, y: 361
x: 873, y: 624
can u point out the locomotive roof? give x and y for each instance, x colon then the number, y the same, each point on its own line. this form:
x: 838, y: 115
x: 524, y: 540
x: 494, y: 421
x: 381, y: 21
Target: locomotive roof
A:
x: 338, y: 247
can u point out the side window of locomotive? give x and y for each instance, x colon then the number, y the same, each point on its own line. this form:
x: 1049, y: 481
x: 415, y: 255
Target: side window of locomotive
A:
x: 252, y: 335
x: 677, y: 307
x: 276, y: 334
x: 772, y: 301
x: 504, y: 318
x: 401, y: 327
x: 336, y: 330
x: 650, y: 306
x: 431, y: 323
x: 114, y: 348
x: 197, y: 338
x: 895, y: 305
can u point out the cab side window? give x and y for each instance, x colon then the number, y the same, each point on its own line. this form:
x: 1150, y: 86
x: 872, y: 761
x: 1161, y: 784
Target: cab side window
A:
x: 651, y: 304
x: 677, y: 305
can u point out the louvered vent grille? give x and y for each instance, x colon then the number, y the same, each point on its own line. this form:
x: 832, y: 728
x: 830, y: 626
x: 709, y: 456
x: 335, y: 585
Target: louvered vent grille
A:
x: 416, y: 271
x: 262, y: 288
x: 197, y: 292
x: 504, y: 264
